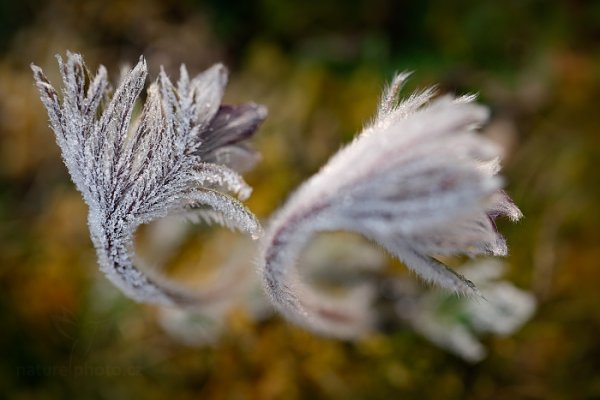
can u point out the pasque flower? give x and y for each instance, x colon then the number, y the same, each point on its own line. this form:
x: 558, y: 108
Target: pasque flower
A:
x: 418, y: 180
x: 178, y: 157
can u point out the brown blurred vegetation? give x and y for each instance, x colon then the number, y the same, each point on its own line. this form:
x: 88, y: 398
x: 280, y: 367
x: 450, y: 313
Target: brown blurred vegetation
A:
x: 319, y: 67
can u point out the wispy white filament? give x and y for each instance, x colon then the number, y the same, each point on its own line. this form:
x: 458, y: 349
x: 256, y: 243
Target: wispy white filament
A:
x: 419, y: 181
x: 169, y: 161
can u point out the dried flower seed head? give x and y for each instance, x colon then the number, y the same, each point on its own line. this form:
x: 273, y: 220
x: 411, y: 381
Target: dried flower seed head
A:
x: 418, y: 181
x: 178, y: 157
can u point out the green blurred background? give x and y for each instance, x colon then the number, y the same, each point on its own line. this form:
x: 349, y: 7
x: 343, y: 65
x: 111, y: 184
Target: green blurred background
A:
x: 319, y: 67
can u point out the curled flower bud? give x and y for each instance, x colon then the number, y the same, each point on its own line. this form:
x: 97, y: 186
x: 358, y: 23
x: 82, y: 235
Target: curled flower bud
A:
x: 419, y: 181
x: 174, y: 159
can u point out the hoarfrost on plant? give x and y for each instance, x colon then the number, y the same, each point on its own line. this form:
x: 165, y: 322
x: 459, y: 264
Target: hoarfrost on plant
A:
x: 418, y: 180
x: 176, y: 158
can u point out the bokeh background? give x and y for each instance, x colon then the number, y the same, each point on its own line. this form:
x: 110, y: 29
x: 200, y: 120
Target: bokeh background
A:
x: 319, y: 67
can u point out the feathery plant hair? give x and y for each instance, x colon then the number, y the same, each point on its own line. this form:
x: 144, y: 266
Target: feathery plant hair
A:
x: 418, y: 181
x: 179, y: 157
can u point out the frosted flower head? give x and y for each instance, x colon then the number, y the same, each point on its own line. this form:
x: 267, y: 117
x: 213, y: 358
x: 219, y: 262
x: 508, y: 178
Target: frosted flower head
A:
x: 418, y: 180
x: 174, y: 159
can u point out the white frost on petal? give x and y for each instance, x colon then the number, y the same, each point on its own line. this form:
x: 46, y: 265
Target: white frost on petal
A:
x: 132, y: 173
x: 419, y: 181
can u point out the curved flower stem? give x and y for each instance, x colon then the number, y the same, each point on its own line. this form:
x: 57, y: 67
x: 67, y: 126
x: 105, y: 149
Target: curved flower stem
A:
x: 344, y: 317
x: 115, y: 257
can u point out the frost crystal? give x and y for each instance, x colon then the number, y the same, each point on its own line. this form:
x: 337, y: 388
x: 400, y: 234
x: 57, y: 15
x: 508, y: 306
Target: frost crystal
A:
x: 418, y: 181
x: 178, y: 157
